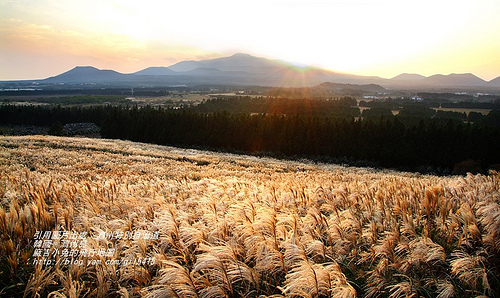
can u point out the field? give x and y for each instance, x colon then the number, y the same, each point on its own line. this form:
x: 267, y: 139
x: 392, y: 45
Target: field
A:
x: 172, y: 100
x: 105, y: 218
x: 466, y: 111
x: 458, y: 110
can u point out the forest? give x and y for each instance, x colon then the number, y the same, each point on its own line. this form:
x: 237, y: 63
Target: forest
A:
x: 328, y: 130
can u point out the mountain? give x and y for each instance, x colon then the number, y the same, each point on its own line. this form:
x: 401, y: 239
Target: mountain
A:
x: 247, y: 63
x: 454, y: 80
x: 87, y: 74
x: 495, y: 82
x: 416, y: 81
x: 244, y: 69
x: 408, y: 77
x: 156, y: 71
x: 203, y: 71
x: 238, y: 62
x: 250, y: 70
x: 186, y: 66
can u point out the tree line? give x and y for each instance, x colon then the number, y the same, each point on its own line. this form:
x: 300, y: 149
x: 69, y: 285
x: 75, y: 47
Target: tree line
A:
x: 408, y: 143
x: 344, y: 107
x: 433, y: 101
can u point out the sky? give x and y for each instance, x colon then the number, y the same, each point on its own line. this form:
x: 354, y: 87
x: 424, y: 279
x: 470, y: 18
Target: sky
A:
x: 42, y: 38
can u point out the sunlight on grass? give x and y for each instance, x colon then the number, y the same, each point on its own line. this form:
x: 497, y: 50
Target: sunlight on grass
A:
x: 223, y: 225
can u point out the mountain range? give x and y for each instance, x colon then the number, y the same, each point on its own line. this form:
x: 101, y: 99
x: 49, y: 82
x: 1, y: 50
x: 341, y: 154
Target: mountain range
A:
x: 244, y: 69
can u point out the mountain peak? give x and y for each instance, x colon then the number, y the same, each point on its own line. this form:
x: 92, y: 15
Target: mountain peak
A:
x: 155, y: 71
x: 86, y: 74
x: 85, y: 67
x: 237, y: 62
x: 186, y: 65
x: 408, y: 77
x: 243, y: 55
x: 88, y: 69
x: 455, y: 79
x: 82, y: 69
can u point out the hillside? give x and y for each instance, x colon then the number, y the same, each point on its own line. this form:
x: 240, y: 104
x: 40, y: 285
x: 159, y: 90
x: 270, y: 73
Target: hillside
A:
x: 132, y: 219
x: 495, y: 82
x: 87, y: 74
x: 156, y: 71
x: 408, y: 77
x: 236, y: 62
x: 464, y: 80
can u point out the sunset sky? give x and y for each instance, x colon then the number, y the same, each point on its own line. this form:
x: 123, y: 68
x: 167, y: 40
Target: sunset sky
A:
x: 42, y: 38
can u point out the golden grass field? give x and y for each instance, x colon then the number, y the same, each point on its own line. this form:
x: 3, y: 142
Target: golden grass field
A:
x: 223, y: 225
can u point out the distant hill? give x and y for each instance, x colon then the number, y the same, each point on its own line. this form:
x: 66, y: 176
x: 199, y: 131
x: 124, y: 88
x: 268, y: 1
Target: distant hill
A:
x: 245, y: 69
x: 87, y: 74
x: 495, y: 82
x: 186, y: 66
x: 263, y: 71
x: 156, y: 71
x: 416, y: 81
x: 455, y: 80
x: 204, y: 71
x: 408, y: 77
x: 236, y: 62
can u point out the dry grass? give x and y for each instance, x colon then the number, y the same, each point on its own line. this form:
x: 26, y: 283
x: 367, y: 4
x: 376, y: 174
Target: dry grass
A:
x: 236, y: 226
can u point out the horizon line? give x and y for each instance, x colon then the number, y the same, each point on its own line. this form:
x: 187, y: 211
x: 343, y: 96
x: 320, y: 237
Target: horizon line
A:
x: 292, y: 64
